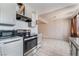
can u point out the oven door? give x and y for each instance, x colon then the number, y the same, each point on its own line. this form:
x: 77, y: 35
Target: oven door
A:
x: 29, y: 43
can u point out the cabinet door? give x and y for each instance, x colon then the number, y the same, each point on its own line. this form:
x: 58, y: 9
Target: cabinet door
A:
x: 14, y: 48
x: 7, y: 13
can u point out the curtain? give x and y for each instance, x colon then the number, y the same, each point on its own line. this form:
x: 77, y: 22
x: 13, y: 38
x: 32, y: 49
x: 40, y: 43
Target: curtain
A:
x: 74, y: 27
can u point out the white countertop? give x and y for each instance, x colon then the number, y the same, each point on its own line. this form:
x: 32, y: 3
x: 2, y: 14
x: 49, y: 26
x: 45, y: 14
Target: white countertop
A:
x: 10, y: 39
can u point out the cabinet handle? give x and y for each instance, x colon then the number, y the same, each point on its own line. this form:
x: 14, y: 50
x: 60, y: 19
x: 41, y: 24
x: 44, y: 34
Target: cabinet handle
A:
x: 2, y: 49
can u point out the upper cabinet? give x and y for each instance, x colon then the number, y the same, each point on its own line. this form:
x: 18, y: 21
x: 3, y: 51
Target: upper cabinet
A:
x: 7, y: 13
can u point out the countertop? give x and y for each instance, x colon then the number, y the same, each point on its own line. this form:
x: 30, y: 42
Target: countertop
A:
x: 10, y: 39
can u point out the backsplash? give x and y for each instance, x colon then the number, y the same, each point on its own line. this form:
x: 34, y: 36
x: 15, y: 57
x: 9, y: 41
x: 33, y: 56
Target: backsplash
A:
x: 34, y: 30
x: 6, y: 27
x: 18, y: 25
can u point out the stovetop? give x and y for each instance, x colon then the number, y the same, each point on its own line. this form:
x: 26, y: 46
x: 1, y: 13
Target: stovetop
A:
x: 23, y: 34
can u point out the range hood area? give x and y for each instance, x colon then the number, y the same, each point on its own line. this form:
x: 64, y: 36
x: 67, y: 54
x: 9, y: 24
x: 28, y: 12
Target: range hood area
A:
x: 20, y: 15
x: 23, y: 18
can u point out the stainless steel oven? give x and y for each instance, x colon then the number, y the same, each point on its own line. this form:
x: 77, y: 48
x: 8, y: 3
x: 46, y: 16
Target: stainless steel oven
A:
x: 29, y: 41
x: 29, y: 44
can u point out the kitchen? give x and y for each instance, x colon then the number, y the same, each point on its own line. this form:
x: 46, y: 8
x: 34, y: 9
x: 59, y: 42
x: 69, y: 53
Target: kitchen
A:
x: 15, y: 31
x: 28, y: 29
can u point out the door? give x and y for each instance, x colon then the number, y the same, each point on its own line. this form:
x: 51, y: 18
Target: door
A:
x: 29, y: 44
x: 7, y: 13
x: 13, y: 48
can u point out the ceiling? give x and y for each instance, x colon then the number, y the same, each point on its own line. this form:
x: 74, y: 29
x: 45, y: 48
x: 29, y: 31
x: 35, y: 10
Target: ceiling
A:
x: 54, y: 10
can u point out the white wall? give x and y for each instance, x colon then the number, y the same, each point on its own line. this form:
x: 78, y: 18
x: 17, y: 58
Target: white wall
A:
x: 58, y: 29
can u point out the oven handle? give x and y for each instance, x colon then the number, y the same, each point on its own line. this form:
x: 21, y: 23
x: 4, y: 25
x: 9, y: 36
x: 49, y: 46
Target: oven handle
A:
x: 30, y: 38
x: 11, y: 41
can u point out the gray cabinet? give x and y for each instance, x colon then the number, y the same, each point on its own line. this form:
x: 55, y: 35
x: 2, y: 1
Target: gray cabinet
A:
x: 7, y: 13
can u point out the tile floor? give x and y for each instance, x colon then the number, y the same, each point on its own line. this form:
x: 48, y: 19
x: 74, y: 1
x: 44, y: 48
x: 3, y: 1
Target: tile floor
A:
x: 53, y: 47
